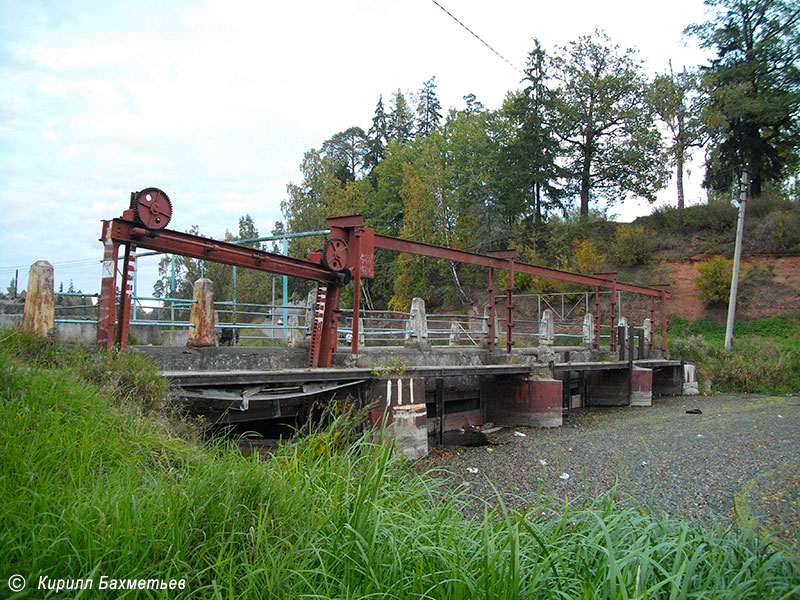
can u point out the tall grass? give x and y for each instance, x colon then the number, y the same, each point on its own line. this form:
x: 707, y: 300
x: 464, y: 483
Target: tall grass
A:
x: 764, y: 358
x: 93, y: 484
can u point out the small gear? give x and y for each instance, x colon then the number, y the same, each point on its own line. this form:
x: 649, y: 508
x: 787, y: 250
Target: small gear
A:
x: 335, y: 254
x: 152, y: 208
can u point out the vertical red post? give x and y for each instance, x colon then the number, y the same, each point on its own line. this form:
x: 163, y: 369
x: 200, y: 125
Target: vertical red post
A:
x: 596, y: 317
x: 664, y: 348
x: 510, y: 305
x: 124, y: 318
x: 652, y: 318
x: 356, y: 237
x: 613, y: 314
x: 108, y: 290
x: 492, y: 310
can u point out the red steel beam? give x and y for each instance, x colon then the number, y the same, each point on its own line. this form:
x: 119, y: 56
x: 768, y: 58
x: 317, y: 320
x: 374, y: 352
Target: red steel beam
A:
x: 174, y: 242
x: 423, y: 249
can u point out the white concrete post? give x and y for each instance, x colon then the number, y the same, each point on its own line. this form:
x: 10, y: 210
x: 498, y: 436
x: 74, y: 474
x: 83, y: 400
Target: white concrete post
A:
x: 296, y: 335
x: 648, y: 331
x: 418, y: 322
x: 454, y: 335
x: 623, y: 322
x: 587, y: 333
x: 362, y: 338
x: 202, y: 315
x: 38, y: 317
x: 547, y: 328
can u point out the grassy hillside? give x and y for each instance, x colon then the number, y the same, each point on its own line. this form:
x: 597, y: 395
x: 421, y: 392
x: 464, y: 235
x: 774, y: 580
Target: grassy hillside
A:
x: 95, y: 481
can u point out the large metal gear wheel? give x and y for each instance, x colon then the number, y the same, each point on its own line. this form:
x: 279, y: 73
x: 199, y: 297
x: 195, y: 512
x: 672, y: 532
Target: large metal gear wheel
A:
x: 335, y: 254
x: 152, y: 208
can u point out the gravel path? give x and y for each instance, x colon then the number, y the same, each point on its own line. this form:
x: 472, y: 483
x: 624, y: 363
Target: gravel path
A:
x: 686, y: 465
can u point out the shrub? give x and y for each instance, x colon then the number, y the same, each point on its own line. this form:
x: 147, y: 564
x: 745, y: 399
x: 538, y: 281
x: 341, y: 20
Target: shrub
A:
x: 633, y: 245
x: 586, y: 259
x: 784, y: 226
x: 694, y: 348
x: 755, y: 364
x: 714, y: 282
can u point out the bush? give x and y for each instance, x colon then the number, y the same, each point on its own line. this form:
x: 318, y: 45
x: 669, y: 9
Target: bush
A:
x: 754, y: 365
x: 694, y: 348
x: 714, y: 282
x: 633, y: 245
x: 586, y: 259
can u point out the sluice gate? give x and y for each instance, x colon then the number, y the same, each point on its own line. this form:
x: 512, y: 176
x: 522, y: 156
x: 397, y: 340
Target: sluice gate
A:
x: 438, y: 404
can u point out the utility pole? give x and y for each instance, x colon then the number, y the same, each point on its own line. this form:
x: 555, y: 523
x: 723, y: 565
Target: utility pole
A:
x: 737, y: 255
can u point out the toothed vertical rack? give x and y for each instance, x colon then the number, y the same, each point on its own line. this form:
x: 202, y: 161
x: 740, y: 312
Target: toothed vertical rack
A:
x: 317, y: 322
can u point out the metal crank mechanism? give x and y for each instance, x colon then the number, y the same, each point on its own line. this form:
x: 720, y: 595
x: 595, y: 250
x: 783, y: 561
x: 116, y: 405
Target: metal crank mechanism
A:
x: 335, y: 254
x: 151, y: 208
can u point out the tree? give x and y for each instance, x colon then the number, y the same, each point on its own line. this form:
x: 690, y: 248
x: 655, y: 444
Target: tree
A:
x: 347, y: 149
x: 612, y: 147
x: 474, y: 106
x: 677, y: 102
x: 753, y: 89
x: 377, y: 139
x: 530, y: 148
x: 429, y: 109
x: 401, y: 120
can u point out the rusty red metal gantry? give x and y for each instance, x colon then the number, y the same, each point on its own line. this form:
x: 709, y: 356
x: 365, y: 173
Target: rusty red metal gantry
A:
x: 348, y: 254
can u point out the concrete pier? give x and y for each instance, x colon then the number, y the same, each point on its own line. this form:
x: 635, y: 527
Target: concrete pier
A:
x: 202, y: 315
x: 523, y: 402
x: 38, y: 317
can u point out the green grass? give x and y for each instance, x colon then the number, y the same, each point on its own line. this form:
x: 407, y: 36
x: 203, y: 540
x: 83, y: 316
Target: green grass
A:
x: 764, y: 357
x: 94, y: 482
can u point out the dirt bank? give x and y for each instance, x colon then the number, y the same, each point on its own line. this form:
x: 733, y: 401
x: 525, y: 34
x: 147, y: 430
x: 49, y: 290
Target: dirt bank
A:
x: 770, y: 286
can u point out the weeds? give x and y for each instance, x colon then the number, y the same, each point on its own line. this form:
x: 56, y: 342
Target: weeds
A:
x: 764, y: 357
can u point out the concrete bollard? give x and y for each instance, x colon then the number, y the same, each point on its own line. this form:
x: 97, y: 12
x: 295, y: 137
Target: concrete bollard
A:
x: 623, y: 322
x: 38, y: 317
x: 362, y: 337
x: 297, y: 336
x: 547, y: 328
x: 202, y: 315
x: 410, y: 430
x: 587, y: 332
x: 648, y: 331
x: 454, y: 335
x: 418, y: 323
x: 690, y: 385
x: 400, y: 404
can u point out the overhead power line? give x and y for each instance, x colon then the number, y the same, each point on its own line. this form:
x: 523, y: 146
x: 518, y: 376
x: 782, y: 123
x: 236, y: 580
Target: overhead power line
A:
x: 477, y: 37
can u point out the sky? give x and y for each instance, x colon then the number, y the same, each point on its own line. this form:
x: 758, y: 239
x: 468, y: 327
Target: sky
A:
x: 216, y: 101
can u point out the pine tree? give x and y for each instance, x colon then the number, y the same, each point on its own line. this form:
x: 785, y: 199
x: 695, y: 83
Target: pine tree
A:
x: 753, y: 89
x: 428, y: 109
x: 401, y: 121
x: 377, y: 139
